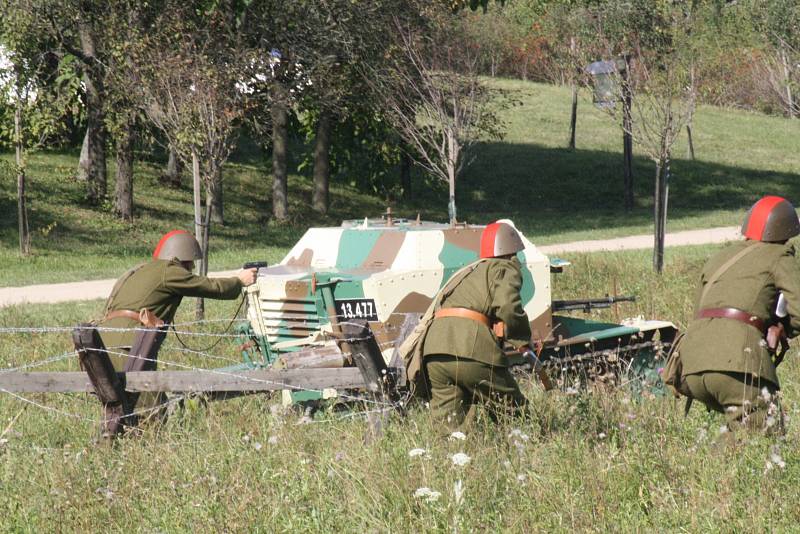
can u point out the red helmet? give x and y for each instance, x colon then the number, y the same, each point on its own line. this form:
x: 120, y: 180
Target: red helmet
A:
x: 771, y: 219
x: 177, y: 244
x: 500, y: 239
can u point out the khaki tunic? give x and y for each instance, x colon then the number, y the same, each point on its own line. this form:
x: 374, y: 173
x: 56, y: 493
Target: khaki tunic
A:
x: 752, y: 285
x: 493, y: 290
x: 160, y: 286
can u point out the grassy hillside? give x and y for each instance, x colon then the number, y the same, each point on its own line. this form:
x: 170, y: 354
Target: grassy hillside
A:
x: 553, y: 194
x: 597, y: 461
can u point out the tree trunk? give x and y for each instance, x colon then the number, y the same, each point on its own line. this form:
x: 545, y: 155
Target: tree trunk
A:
x: 96, y: 187
x: 627, y: 139
x: 405, y: 174
x: 280, y: 139
x: 661, y: 196
x: 215, y: 197
x: 22, y: 209
x: 574, y: 116
x: 123, y: 192
x: 452, y: 162
x: 198, y: 223
x: 787, y: 73
x: 172, y: 176
x: 322, y: 163
x: 83, y: 162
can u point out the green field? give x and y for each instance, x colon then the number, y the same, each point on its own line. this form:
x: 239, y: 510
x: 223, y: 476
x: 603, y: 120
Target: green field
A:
x: 553, y: 194
x: 598, y: 461
x: 594, y: 461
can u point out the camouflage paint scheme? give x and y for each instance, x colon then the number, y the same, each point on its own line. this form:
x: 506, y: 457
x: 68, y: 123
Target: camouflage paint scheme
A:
x: 395, y: 269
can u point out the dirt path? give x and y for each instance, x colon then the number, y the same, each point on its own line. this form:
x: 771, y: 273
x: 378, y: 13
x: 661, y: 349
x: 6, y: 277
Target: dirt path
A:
x: 98, y: 289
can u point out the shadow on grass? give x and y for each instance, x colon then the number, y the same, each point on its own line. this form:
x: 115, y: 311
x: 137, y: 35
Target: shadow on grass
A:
x: 546, y: 191
x: 549, y: 190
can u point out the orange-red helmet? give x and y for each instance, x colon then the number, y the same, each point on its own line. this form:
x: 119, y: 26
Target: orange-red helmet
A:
x: 771, y: 219
x: 500, y: 239
x: 178, y: 244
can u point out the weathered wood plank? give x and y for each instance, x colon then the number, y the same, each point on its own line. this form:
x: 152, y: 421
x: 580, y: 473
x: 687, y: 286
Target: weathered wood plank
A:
x: 189, y: 381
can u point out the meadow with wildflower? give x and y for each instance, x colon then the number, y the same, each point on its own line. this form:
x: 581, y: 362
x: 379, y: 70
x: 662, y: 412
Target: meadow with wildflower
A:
x: 585, y: 460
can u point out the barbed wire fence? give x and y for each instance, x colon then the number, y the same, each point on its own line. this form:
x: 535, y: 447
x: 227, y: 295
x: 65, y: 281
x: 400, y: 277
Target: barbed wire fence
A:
x: 166, y: 359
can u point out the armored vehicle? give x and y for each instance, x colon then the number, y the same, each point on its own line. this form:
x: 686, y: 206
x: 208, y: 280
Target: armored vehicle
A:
x: 386, y: 271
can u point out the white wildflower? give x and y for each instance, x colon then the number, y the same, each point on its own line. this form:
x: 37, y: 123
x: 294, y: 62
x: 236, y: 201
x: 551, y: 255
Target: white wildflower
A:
x: 460, y: 459
x: 458, y: 492
x: 723, y: 429
x: 3, y: 442
x: 767, y: 467
x: 257, y: 446
x: 428, y: 494
x: 458, y: 435
x: 518, y: 434
x: 507, y: 464
x: 521, y: 478
x: 273, y: 440
x: 413, y: 453
x: 601, y: 435
x: 766, y: 395
x: 775, y: 457
x: 105, y: 492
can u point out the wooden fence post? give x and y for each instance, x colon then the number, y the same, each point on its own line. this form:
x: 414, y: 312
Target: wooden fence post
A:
x: 109, y: 388
x: 380, y: 383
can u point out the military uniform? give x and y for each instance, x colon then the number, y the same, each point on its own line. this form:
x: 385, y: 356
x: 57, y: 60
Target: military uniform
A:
x: 463, y: 358
x: 159, y: 286
x: 726, y: 362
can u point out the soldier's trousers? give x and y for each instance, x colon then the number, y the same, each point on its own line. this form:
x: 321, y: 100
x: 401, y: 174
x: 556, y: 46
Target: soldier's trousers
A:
x: 747, y: 401
x: 460, y: 385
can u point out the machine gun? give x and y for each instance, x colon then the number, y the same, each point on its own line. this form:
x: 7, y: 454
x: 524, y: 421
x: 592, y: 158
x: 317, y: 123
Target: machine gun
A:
x: 587, y: 305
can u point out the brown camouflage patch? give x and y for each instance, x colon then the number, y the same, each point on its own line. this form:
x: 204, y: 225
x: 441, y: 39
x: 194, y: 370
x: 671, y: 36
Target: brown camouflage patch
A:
x: 303, y: 260
x: 384, y: 251
x: 413, y: 303
x: 466, y: 238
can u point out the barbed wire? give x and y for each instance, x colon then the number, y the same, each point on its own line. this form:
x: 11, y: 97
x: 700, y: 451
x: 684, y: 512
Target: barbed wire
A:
x: 379, y: 331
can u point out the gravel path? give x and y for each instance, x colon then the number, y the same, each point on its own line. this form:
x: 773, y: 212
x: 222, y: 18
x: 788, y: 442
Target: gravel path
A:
x: 98, y: 289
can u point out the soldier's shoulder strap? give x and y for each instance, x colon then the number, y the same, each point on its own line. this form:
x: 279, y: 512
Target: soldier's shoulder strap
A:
x: 455, y: 280
x: 723, y: 268
x: 118, y: 285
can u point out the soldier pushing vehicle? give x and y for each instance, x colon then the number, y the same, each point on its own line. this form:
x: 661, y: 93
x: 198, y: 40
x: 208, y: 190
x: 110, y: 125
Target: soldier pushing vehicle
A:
x: 146, y: 298
x: 728, y: 352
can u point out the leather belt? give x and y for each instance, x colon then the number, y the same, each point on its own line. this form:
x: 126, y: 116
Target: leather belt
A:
x: 145, y: 317
x: 465, y: 313
x: 732, y: 313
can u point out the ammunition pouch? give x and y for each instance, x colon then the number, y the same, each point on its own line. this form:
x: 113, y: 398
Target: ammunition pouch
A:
x: 672, y: 374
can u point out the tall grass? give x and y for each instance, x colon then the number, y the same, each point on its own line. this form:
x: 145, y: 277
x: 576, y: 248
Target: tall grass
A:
x: 599, y: 460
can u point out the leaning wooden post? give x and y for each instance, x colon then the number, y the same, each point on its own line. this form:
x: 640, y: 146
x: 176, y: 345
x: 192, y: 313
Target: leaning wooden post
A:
x: 94, y: 359
x: 379, y: 382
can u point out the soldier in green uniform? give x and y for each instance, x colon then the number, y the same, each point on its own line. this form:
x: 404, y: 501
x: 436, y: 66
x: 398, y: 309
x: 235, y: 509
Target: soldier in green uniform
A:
x: 462, y: 353
x: 149, y: 294
x: 727, y: 361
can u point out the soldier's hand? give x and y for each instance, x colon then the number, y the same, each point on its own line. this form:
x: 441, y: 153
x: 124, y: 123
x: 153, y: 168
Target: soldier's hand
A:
x: 247, y: 276
x: 774, y: 335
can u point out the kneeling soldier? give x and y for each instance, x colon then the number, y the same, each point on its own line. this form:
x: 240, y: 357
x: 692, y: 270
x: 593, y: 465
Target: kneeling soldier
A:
x: 463, y: 357
x: 728, y: 364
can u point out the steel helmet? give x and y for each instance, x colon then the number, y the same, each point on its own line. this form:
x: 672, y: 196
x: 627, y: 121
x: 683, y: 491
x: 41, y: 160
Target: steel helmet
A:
x: 771, y: 219
x: 498, y: 239
x: 178, y: 244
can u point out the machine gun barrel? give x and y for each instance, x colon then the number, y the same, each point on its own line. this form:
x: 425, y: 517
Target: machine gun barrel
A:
x: 588, y: 305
